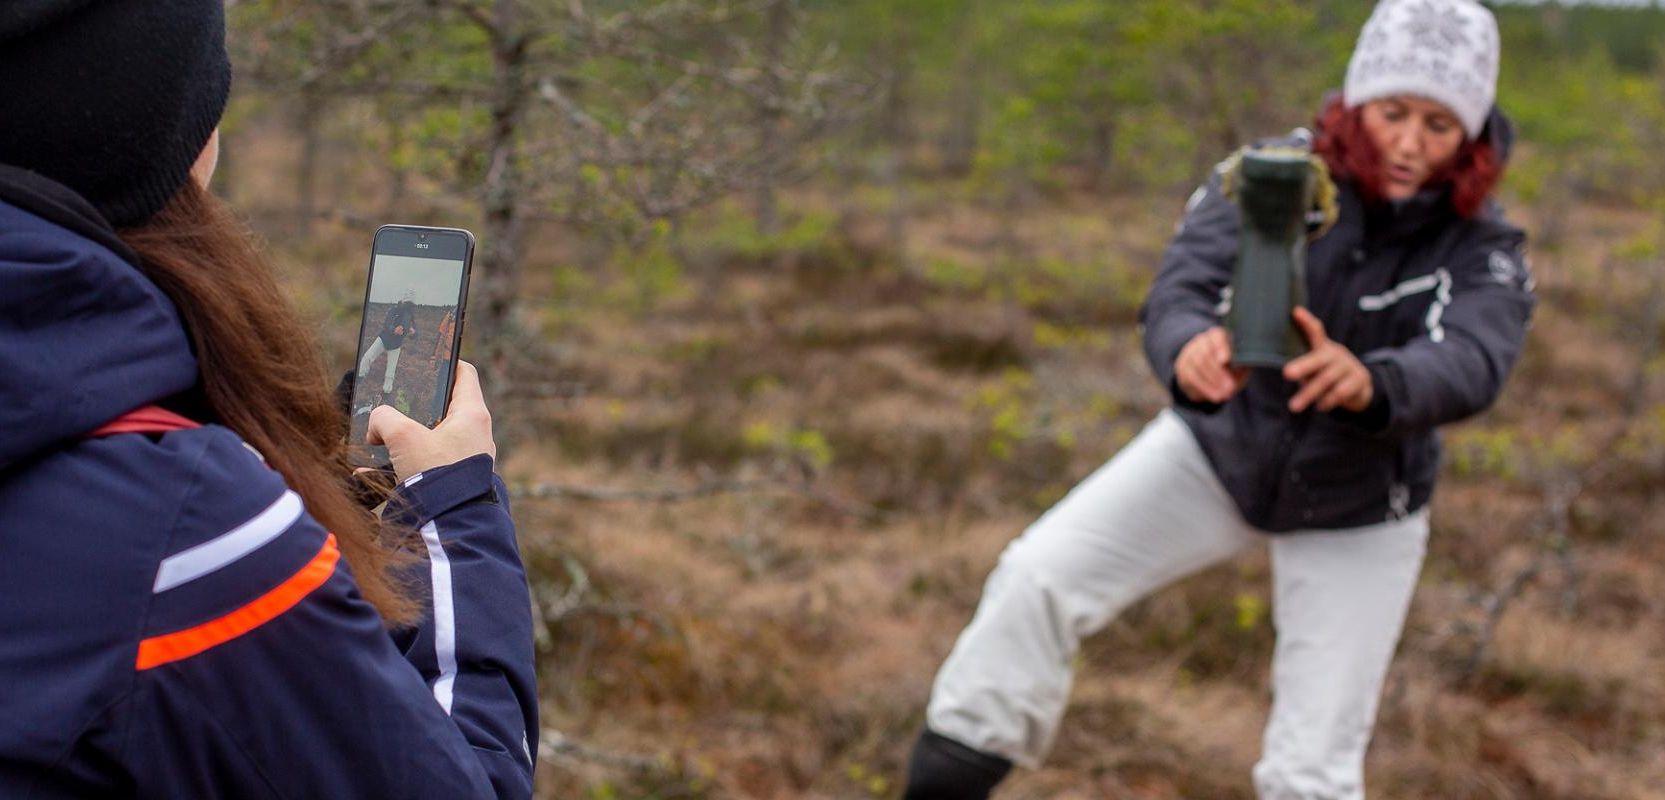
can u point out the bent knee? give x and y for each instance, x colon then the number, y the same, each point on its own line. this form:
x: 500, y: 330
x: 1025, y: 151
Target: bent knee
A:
x: 1071, y: 602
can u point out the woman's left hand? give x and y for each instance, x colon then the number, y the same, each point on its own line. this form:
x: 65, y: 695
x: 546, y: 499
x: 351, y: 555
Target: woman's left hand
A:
x: 1330, y: 375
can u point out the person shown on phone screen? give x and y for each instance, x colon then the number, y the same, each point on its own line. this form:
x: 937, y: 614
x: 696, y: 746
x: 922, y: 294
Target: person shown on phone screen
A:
x: 399, y: 325
x: 195, y: 605
x: 441, y: 359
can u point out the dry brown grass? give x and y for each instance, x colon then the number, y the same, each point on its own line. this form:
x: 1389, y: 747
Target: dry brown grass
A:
x: 769, y: 644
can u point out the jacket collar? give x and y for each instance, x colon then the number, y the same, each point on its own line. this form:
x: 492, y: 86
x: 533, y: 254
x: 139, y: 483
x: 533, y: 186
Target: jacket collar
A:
x: 1399, y: 220
x: 84, y: 335
x: 60, y: 205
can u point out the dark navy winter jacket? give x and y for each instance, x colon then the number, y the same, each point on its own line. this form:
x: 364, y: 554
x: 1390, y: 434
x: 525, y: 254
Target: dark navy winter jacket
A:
x: 173, y: 624
x: 1436, y: 307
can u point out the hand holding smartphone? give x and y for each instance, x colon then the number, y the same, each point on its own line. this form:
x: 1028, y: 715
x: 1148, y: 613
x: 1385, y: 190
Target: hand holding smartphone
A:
x: 415, y: 302
x: 465, y: 431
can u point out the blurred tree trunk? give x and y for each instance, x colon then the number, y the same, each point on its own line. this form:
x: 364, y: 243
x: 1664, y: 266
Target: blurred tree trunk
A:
x: 310, y: 124
x: 1653, y: 316
x: 959, y: 143
x: 1554, y: 205
x: 1554, y: 19
x: 497, y: 263
x: 776, y: 28
x: 965, y: 110
x: 1221, y: 111
x: 898, y: 141
x: 399, y: 177
x: 1102, y: 152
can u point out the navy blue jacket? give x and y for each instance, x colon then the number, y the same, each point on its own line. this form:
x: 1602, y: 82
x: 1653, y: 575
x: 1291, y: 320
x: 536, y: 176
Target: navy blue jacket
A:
x: 174, y: 623
x: 1436, y: 307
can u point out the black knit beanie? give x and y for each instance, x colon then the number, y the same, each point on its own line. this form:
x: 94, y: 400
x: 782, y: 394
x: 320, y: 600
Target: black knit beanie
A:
x: 112, y: 98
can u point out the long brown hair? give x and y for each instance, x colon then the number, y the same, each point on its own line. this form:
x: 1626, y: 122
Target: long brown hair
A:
x: 1351, y: 155
x: 262, y: 375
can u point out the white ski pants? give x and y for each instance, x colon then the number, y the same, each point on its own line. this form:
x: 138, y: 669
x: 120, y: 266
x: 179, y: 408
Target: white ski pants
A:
x: 1156, y: 513
x: 376, y: 348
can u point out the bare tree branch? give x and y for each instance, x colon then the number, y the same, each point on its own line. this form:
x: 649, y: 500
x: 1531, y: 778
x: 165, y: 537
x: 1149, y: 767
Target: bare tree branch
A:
x: 479, y: 16
x: 556, y: 747
x: 549, y: 491
x: 711, y: 488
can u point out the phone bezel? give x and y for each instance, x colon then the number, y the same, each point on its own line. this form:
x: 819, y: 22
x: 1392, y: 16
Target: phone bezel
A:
x: 376, y: 248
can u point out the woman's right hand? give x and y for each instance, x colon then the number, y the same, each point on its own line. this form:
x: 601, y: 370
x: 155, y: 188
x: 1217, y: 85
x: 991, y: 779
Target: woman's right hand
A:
x: 465, y: 431
x: 1204, y: 371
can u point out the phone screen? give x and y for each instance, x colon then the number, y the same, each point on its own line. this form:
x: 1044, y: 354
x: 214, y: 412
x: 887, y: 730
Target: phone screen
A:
x: 409, y: 336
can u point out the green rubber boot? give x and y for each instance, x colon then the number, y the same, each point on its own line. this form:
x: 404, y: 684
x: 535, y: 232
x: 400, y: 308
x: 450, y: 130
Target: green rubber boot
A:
x: 1274, y: 189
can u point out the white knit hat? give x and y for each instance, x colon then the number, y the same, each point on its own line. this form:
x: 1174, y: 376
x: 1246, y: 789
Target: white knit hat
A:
x: 1444, y: 50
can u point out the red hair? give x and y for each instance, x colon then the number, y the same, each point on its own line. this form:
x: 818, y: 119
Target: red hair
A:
x: 1350, y: 154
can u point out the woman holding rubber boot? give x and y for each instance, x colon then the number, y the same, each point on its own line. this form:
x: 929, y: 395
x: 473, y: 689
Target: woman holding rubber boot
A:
x: 1417, y: 302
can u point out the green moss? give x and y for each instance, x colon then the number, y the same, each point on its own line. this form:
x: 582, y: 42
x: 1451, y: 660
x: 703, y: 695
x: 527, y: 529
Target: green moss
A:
x: 801, y: 444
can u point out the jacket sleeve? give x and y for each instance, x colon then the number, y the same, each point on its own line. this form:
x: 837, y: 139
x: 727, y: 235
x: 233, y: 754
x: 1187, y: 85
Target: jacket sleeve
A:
x: 277, y: 680
x: 1190, y: 293
x: 475, y: 646
x: 1475, y: 329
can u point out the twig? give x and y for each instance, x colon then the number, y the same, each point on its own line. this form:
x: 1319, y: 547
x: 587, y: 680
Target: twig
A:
x: 555, y: 746
x: 559, y: 390
x: 609, y: 495
x: 348, y: 48
x: 479, y: 17
x: 1494, y: 605
x: 1556, y: 525
x: 1560, y: 495
x: 710, y: 488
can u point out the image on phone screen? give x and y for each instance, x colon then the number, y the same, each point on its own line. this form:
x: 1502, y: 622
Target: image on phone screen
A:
x: 409, y: 334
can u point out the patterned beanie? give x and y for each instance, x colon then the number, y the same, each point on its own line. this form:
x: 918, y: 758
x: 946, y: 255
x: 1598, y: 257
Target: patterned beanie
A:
x: 1443, y: 50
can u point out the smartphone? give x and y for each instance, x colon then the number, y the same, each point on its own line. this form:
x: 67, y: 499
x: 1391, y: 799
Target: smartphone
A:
x: 415, y: 302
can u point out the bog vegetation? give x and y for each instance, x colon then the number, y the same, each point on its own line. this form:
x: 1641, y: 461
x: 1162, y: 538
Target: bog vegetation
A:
x: 793, y: 312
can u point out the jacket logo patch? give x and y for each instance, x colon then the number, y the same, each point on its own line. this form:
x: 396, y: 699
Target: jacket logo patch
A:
x: 1509, y: 270
x: 1501, y: 267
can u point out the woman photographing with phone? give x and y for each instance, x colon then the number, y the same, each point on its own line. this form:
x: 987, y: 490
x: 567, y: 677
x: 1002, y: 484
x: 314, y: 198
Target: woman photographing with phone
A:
x: 196, y: 606
x: 1418, y: 300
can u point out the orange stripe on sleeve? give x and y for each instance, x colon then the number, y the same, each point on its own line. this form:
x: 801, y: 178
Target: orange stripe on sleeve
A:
x: 158, y: 650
